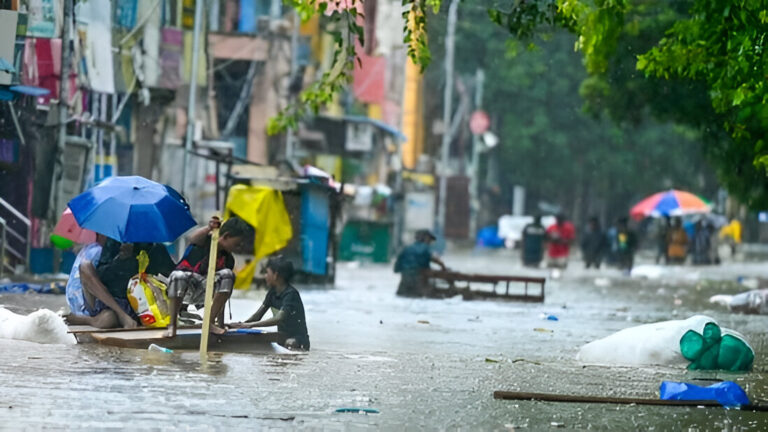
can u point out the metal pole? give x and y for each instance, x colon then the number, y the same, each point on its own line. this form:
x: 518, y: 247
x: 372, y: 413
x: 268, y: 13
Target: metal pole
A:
x: 447, y: 99
x: 2, y: 248
x: 66, y: 64
x: 192, y: 92
x: 474, y: 181
x: 289, y: 137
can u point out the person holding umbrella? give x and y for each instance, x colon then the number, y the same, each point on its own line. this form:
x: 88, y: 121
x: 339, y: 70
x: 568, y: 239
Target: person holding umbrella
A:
x: 134, y: 214
x: 187, y: 283
x: 105, y: 282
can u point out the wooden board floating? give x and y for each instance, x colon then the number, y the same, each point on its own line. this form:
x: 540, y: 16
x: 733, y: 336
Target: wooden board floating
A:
x: 514, y: 288
x: 550, y: 397
x: 84, y: 329
x: 238, y: 340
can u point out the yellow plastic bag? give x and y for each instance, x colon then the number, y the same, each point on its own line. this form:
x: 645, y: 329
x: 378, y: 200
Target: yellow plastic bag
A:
x: 147, y: 296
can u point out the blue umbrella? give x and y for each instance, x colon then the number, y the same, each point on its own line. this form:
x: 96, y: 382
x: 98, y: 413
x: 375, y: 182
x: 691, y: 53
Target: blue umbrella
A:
x: 133, y: 210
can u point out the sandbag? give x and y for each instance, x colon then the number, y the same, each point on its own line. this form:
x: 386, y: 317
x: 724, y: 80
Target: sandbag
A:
x: 42, y: 326
x: 650, y: 344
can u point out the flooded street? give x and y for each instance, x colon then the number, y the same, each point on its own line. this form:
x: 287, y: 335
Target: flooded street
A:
x: 424, y: 364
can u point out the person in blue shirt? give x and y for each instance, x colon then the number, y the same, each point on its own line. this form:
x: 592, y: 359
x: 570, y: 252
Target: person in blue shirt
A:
x: 413, y: 263
x: 82, y: 310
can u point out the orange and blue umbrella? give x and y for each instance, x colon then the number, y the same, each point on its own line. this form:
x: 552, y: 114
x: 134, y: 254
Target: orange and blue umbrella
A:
x: 669, y: 203
x: 133, y: 210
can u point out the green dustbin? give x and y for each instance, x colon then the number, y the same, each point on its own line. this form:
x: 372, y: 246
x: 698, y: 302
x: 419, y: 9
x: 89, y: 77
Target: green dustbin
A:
x: 365, y: 241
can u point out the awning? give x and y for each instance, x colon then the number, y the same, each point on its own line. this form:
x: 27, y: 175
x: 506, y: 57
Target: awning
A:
x: 376, y: 123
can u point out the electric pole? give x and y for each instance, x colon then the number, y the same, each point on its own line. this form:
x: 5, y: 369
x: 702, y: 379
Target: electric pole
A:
x: 192, y: 92
x: 474, y: 180
x: 447, y: 99
x: 66, y: 67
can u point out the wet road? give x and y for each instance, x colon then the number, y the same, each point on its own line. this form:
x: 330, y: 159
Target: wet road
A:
x: 422, y: 363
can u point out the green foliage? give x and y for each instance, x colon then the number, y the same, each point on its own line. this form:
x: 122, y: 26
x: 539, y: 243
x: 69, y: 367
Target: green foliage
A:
x: 723, y: 44
x: 345, y: 30
x: 704, y: 66
x: 415, y: 30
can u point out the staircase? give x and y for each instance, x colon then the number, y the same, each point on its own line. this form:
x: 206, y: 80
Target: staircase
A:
x: 15, y: 232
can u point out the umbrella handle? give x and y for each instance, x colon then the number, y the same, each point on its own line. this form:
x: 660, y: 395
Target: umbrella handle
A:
x: 211, y: 275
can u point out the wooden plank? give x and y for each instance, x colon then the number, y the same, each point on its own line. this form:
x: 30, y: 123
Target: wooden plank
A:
x: 465, y: 281
x: 189, y: 339
x: 84, y: 329
x: 455, y: 276
x: 551, y: 397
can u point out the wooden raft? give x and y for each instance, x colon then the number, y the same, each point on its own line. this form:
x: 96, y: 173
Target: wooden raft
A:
x: 238, y: 340
x: 485, y: 287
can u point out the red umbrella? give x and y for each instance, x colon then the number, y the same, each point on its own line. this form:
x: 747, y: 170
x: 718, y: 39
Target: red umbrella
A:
x: 68, y: 228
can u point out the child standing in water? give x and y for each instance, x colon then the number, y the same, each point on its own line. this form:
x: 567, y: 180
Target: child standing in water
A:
x: 285, y: 302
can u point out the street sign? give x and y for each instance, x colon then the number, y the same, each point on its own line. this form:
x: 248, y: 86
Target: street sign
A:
x: 479, y: 122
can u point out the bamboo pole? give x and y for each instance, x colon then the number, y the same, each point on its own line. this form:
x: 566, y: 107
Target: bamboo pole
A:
x: 551, y: 397
x: 210, y: 277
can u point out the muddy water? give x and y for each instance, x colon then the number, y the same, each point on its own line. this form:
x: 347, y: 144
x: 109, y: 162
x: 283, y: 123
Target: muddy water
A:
x: 424, y: 364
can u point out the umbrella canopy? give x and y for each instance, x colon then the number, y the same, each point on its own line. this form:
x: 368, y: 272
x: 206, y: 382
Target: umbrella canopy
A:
x: 133, y: 210
x: 669, y: 203
x: 68, y: 228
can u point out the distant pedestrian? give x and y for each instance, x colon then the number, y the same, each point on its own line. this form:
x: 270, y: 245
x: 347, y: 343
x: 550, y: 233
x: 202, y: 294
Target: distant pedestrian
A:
x: 612, y: 253
x: 701, y: 243
x: 731, y: 233
x: 627, y: 245
x: 677, y: 243
x: 534, y: 235
x: 560, y: 236
x: 661, y: 239
x: 594, y: 244
x: 413, y: 263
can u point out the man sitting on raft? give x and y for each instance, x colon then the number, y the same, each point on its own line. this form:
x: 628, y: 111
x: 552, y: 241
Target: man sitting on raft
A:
x: 187, y: 283
x: 98, y: 285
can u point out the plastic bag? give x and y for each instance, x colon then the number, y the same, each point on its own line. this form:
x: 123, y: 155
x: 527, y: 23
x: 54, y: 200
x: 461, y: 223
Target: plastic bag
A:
x: 727, y: 393
x: 710, y: 350
x: 147, y: 296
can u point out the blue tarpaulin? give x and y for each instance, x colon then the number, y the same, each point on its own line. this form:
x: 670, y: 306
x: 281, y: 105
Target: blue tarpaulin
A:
x: 22, y: 288
x: 727, y: 393
x: 488, y: 237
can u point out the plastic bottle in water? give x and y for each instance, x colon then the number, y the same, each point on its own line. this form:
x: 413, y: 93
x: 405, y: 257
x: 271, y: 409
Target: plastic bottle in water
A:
x: 158, y: 348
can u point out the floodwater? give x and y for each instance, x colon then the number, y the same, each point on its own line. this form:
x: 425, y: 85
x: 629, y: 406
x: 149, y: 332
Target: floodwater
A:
x: 424, y: 364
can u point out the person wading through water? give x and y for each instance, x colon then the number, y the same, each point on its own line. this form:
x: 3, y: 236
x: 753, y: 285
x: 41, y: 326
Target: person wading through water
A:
x: 413, y: 263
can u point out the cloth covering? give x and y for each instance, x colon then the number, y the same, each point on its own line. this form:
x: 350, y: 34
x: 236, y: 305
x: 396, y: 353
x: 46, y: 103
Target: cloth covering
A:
x: 264, y: 209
